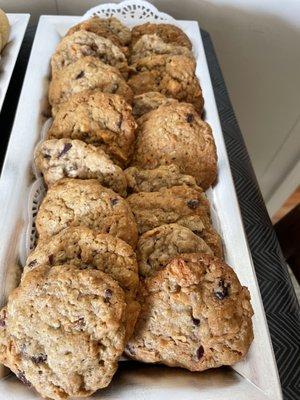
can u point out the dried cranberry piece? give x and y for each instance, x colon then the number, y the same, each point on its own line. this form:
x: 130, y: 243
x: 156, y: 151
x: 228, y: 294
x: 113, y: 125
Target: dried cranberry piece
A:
x: 114, y: 201
x: 190, y: 118
x: 196, y: 321
x: 39, y: 358
x: 193, y: 204
x: 200, y: 352
x: 51, y: 259
x: 66, y: 148
x: 222, y: 290
x: 22, y: 377
x: 32, y: 263
x: 80, y: 75
x: 107, y: 295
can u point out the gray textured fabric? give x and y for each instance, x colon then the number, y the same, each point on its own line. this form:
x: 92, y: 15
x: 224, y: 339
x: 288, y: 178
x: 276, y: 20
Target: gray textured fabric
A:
x: 281, y: 306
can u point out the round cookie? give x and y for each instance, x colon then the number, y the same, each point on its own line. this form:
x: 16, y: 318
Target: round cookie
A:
x: 4, y: 29
x: 157, y: 247
x: 151, y: 45
x: 77, y: 202
x: 167, y: 32
x: 87, y: 73
x: 65, y: 158
x: 195, y: 314
x: 183, y: 205
x: 110, y: 28
x: 175, y: 134
x: 64, y: 331
x: 152, y: 180
x: 173, y: 76
x: 86, y: 249
x: 146, y: 102
x: 81, y: 44
x: 100, y: 119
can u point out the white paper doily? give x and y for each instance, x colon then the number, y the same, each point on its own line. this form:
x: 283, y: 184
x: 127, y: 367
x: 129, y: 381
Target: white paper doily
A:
x: 130, y: 12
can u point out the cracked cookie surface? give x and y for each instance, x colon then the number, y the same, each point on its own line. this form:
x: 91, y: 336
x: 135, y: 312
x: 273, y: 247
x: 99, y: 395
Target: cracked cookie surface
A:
x: 173, y: 76
x: 86, y: 249
x: 63, y: 331
x: 157, y: 247
x: 195, y: 314
x: 65, y: 158
x: 110, y: 28
x: 83, y: 43
x: 100, y: 119
x: 87, y: 73
x: 151, y: 45
x: 146, y: 102
x: 167, y: 32
x: 77, y: 202
x: 175, y: 134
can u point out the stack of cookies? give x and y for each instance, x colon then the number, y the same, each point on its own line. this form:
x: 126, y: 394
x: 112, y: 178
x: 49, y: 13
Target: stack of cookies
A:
x: 127, y: 258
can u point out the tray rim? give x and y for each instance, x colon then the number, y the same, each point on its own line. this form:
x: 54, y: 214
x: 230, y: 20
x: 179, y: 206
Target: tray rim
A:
x: 13, y: 51
x: 58, y: 19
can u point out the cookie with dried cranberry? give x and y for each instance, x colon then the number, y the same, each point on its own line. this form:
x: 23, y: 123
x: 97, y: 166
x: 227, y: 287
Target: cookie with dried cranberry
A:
x: 167, y: 32
x: 146, y: 102
x: 64, y: 331
x: 87, y: 73
x: 83, y: 43
x: 65, y: 158
x: 157, y: 247
x: 174, y: 76
x: 151, y: 45
x: 86, y: 249
x: 152, y: 180
x: 100, y: 119
x: 77, y: 202
x: 195, y: 314
x: 175, y: 134
x: 110, y: 28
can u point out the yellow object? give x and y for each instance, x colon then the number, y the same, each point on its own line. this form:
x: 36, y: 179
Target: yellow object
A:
x: 4, y: 28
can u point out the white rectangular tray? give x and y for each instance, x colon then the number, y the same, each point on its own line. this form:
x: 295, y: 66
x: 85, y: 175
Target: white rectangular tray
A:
x: 18, y: 24
x: 256, y: 378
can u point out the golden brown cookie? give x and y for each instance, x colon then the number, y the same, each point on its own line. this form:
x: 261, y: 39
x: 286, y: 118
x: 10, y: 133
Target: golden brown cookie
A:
x: 83, y: 43
x: 65, y: 158
x: 195, y: 314
x: 173, y: 76
x: 100, y: 119
x: 86, y: 249
x: 157, y: 247
x: 167, y: 32
x: 77, y: 202
x: 175, y: 134
x: 151, y: 45
x: 110, y: 28
x: 4, y: 29
x: 146, y: 102
x: 63, y: 331
x: 87, y: 73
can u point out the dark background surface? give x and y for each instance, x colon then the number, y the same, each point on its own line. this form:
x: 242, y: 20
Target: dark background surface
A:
x: 281, y: 306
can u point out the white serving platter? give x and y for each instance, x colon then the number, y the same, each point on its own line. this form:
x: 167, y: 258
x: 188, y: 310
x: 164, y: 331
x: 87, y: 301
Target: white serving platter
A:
x: 255, y: 378
x: 8, y: 57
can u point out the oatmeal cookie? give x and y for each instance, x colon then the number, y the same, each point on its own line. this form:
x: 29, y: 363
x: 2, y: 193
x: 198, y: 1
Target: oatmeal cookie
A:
x: 146, y: 102
x: 150, y: 45
x: 86, y: 249
x: 87, y: 73
x: 83, y: 43
x: 167, y: 32
x: 157, y: 247
x: 64, y: 331
x: 77, y: 202
x: 175, y: 134
x: 100, y: 119
x: 173, y: 76
x: 195, y: 314
x: 65, y: 158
